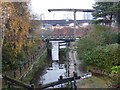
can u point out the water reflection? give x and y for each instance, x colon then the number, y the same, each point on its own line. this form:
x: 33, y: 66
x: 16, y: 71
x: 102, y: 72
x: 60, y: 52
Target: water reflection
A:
x: 53, y: 72
x: 56, y: 67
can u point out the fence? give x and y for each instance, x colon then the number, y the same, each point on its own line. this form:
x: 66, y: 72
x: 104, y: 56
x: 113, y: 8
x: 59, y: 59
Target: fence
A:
x: 21, y: 72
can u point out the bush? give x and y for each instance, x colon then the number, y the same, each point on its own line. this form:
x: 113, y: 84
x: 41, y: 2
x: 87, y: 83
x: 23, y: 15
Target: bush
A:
x: 99, y: 48
x: 103, y: 56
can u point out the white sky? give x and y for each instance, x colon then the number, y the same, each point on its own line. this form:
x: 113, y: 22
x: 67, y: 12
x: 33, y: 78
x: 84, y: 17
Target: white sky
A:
x: 41, y: 7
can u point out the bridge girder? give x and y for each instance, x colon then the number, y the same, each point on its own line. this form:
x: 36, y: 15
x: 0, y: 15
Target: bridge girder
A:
x: 73, y: 10
x: 65, y: 40
x: 64, y: 22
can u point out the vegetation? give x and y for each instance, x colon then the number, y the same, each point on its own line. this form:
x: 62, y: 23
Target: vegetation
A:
x: 15, y: 33
x: 16, y: 46
x: 107, y: 12
x: 37, y: 69
x: 102, y: 11
x: 62, y: 54
x: 100, y: 49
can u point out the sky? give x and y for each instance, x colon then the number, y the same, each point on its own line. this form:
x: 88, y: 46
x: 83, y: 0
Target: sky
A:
x: 40, y: 8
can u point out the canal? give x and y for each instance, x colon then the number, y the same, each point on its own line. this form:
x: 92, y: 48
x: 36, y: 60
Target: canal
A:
x: 56, y: 68
x: 53, y: 73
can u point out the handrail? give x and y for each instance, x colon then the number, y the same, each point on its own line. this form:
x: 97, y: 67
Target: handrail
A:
x: 18, y: 83
x: 62, y: 80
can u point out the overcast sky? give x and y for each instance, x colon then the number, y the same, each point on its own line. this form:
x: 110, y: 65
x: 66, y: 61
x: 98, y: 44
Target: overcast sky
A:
x: 40, y: 7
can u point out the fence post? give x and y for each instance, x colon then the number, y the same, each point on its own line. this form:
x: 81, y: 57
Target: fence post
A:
x: 8, y: 83
x: 75, y: 87
x: 31, y: 60
x: 24, y: 65
x: 14, y: 74
x: 20, y: 70
x: 71, y: 85
x: 21, y: 78
x: 33, y: 57
x: 28, y: 62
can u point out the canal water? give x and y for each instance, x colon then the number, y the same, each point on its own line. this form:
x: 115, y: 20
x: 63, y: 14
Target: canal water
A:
x: 53, y: 73
x: 56, y: 69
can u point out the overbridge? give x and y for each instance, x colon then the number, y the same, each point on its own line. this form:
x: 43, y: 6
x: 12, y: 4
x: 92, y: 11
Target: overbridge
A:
x: 64, y: 22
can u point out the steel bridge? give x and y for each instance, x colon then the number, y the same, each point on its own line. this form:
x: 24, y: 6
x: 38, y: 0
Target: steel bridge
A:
x: 64, y: 22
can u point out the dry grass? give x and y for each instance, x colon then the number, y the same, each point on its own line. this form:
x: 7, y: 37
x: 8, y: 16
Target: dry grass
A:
x: 92, y: 82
